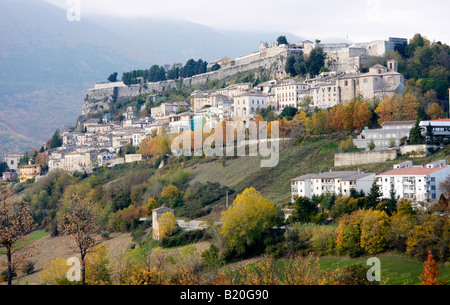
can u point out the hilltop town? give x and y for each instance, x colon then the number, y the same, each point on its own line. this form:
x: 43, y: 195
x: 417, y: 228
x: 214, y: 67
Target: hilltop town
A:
x: 360, y: 143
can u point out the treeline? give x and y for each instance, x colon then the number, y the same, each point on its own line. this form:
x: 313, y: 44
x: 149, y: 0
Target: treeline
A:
x: 426, y: 64
x: 158, y: 73
x: 301, y: 65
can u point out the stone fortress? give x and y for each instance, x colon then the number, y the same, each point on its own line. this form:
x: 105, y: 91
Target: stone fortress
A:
x: 342, y: 58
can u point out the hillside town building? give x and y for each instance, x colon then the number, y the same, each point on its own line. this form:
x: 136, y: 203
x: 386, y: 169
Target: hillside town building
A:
x: 339, y: 183
x: 418, y: 183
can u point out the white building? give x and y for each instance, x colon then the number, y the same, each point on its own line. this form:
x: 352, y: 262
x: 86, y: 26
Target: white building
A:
x: 325, y: 95
x: 382, y: 138
x: 289, y: 94
x: 13, y: 161
x: 247, y: 104
x: 339, y: 183
x: 441, y: 127
x: 419, y: 183
x: 104, y: 157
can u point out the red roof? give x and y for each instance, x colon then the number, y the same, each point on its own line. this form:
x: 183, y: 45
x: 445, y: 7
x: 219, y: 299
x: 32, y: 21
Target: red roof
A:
x: 413, y: 171
x: 438, y: 120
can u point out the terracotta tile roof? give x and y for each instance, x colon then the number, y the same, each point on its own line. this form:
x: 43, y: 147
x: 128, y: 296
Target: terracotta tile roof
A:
x: 413, y: 171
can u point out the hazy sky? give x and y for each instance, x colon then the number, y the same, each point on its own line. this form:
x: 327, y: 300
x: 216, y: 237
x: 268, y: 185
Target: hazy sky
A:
x: 359, y: 20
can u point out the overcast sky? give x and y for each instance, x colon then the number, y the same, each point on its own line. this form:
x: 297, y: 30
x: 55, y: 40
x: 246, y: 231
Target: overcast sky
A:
x: 357, y: 20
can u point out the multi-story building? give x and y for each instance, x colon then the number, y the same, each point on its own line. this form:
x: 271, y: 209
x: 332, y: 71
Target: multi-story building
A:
x: 289, y: 93
x: 377, y: 83
x: 247, y: 104
x: 382, y: 138
x: 29, y: 172
x: 340, y: 183
x: 418, y: 183
x: 13, y: 161
x: 441, y: 127
x: 325, y: 95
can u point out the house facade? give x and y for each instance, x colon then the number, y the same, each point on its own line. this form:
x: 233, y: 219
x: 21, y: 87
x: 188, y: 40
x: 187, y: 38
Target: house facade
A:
x: 339, y: 183
x: 418, y: 183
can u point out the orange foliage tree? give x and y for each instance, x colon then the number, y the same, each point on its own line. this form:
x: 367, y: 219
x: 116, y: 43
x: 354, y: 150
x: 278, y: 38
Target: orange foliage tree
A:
x: 430, y: 271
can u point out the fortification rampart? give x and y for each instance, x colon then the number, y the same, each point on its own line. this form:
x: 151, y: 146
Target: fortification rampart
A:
x: 271, y: 60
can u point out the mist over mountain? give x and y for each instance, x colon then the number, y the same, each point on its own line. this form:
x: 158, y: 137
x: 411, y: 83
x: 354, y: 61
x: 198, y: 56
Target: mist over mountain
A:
x: 47, y: 63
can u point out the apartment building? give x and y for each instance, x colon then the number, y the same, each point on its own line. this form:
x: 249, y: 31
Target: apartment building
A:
x: 339, y: 183
x: 418, y: 183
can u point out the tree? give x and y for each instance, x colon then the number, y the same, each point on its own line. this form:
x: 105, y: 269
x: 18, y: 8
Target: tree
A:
x: 15, y: 222
x: 167, y: 225
x: 315, y: 61
x: 305, y: 209
x: 373, y: 196
x: 151, y: 205
x: 415, y: 135
x: 288, y: 113
x: 430, y: 271
x: 248, y: 220
x: 435, y: 112
x: 300, y: 64
x: 282, y: 40
x: 55, y: 141
x: 289, y: 67
x: 347, y: 144
x: 81, y: 222
x: 348, y: 234
x: 371, y: 145
x: 113, y: 77
x: 215, y: 67
x: 374, y: 226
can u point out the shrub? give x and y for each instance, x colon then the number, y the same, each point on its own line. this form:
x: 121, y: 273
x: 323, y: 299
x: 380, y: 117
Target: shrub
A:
x: 182, y: 238
x: 28, y: 268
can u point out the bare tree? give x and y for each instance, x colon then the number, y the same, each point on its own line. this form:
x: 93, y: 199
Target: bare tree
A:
x: 81, y: 222
x: 15, y: 222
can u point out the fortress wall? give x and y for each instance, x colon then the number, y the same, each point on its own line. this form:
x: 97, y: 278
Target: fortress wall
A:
x: 105, y: 93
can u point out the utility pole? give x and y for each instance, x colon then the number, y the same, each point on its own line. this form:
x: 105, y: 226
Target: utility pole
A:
x: 227, y: 199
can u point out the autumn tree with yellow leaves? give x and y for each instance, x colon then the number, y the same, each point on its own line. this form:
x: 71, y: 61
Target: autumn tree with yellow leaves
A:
x: 247, y: 221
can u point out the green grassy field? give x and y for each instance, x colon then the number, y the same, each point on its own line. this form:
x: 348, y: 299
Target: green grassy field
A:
x: 396, y: 269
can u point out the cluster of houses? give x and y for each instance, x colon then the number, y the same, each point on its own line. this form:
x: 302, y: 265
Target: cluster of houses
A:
x: 419, y: 183
x: 324, y: 91
x: 98, y: 142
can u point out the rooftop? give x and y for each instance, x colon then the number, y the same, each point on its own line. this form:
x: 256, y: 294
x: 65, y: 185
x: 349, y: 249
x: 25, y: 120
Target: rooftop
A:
x: 344, y: 175
x: 413, y: 171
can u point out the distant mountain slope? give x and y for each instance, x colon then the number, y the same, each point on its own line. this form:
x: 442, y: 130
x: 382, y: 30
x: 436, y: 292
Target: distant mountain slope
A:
x: 47, y: 63
x: 179, y: 40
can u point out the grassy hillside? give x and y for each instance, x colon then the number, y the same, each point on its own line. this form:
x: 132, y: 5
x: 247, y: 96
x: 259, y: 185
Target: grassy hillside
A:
x: 313, y: 156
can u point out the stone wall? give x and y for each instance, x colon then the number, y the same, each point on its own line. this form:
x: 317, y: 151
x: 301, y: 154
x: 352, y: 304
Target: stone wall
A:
x: 101, y: 97
x: 365, y: 157
x: 417, y: 151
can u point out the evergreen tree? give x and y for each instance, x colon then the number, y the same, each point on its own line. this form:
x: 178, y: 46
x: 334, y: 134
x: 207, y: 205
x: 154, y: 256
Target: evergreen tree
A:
x: 56, y: 140
x: 289, y: 67
x: 315, y: 61
x: 282, y: 40
x: 113, y: 77
x: 300, y: 65
x: 373, y: 196
x: 415, y: 135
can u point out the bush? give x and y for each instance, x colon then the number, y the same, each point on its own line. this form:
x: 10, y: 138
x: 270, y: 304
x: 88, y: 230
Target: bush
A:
x: 354, y: 275
x: 106, y: 235
x: 4, y: 275
x: 28, y: 268
x: 182, y: 238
